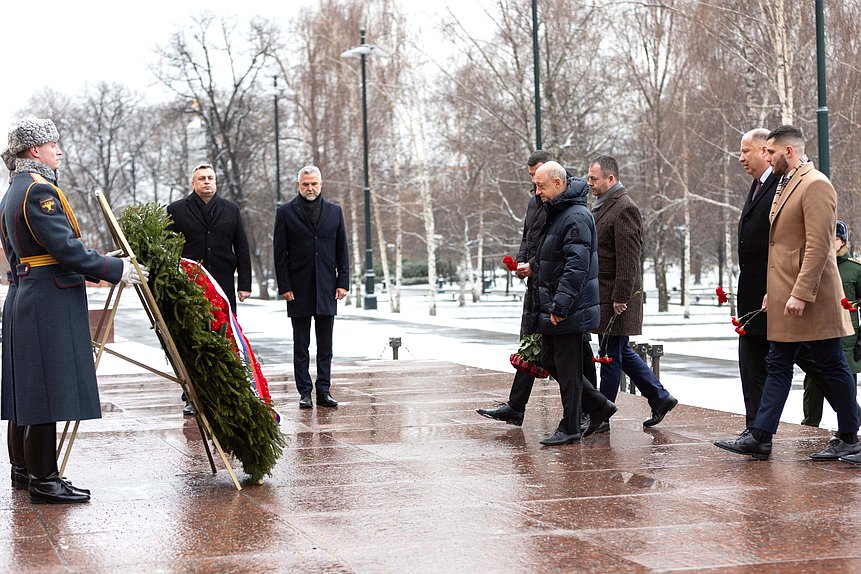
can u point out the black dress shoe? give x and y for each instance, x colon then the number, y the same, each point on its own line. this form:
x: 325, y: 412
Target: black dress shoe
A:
x: 837, y: 449
x: 54, y: 490
x: 503, y: 413
x: 660, y: 411
x: 326, y: 400
x: 187, y: 410
x: 560, y: 437
x: 305, y: 401
x: 584, y: 423
x: 746, y: 444
x: 852, y: 458
x: 602, y: 428
x: 599, y: 417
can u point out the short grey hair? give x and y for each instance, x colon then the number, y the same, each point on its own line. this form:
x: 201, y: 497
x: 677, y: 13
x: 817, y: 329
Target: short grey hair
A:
x: 757, y: 134
x: 309, y: 170
x: 200, y: 166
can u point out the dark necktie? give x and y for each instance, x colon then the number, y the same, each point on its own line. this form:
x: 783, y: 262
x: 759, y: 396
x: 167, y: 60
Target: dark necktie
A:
x: 757, y: 189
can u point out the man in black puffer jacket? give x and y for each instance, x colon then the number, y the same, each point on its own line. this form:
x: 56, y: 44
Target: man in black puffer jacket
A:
x: 567, y: 278
x: 512, y: 411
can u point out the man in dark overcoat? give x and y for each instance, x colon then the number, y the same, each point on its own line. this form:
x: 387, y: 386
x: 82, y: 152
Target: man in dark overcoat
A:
x: 620, y: 240
x: 214, y: 233
x: 215, y: 236
x: 312, y: 266
x: 753, y: 226
x: 53, y: 377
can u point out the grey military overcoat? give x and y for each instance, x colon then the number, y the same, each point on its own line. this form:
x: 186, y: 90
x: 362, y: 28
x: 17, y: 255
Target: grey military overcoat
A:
x: 53, y: 376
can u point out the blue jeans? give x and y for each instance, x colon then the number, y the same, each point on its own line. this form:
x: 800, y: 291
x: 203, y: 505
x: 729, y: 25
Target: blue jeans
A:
x: 835, y: 371
x: 625, y: 359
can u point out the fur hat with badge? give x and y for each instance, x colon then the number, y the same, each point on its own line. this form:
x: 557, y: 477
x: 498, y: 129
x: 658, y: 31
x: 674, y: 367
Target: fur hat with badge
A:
x: 30, y: 132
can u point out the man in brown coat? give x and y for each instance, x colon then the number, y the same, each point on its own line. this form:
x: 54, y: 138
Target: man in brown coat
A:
x: 620, y: 239
x: 802, y: 300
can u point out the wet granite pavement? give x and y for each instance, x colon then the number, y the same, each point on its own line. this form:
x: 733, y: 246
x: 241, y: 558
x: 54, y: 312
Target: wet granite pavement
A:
x: 405, y: 477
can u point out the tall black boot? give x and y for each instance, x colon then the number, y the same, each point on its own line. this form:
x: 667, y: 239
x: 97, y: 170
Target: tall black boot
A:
x: 15, y: 442
x: 40, y: 453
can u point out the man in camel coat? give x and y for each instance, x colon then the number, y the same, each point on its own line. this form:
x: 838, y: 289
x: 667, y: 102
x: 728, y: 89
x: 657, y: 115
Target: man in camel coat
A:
x: 802, y: 299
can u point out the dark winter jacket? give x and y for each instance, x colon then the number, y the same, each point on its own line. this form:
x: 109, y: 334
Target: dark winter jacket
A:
x: 533, y: 225
x: 568, y: 264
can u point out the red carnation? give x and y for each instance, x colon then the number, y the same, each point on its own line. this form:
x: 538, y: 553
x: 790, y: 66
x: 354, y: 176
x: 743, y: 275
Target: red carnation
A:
x: 740, y: 330
x: 509, y: 263
x: 736, y: 322
x: 721, y: 295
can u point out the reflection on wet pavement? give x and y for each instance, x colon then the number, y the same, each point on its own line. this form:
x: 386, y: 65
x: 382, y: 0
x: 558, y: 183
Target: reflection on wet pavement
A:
x: 405, y: 477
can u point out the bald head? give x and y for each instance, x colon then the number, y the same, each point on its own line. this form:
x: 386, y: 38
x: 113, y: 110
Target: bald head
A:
x: 752, y: 155
x: 550, y: 180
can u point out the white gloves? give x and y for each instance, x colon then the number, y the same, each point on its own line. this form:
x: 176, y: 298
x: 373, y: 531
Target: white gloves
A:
x: 130, y: 273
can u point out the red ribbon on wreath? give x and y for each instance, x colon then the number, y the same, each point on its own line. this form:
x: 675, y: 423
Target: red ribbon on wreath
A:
x: 224, y: 321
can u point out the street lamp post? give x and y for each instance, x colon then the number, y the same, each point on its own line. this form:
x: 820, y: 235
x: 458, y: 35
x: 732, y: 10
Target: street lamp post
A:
x: 537, y: 76
x: 362, y: 51
x: 277, y: 144
x: 822, y: 110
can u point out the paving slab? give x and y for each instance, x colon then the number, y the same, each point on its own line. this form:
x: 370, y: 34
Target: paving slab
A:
x: 404, y: 476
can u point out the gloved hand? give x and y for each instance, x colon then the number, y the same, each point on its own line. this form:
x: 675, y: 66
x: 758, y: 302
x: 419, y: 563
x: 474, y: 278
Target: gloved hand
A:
x: 115, y: 253
x: 130, y: 274
x: 857, y: 352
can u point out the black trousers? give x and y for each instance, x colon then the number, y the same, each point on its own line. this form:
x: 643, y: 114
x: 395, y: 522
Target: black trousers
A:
x: 323, y: 328
x: 562, y: 356
x: 752, y: 350
x: 521, y: 388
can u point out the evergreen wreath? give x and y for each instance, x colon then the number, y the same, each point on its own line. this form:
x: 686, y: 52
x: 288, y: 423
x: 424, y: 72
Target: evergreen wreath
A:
x: 243, y: 424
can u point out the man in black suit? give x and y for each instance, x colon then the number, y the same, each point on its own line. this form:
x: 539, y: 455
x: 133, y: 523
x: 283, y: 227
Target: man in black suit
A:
x: 753, y: 227
x: 214, y: 235
x: 312, y: 265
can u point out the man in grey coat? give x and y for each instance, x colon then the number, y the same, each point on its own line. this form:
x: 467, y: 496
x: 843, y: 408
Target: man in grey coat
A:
x: 51, y: 376
x: 620, y: 239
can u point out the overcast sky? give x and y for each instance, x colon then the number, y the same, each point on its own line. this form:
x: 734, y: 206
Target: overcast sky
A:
x: 67, y: 45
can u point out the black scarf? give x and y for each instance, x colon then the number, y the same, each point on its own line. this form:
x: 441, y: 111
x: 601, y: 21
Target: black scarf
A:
x: 312, y: 209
